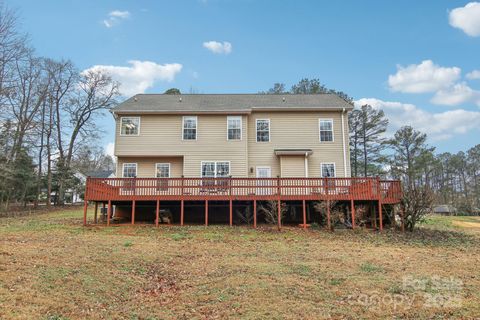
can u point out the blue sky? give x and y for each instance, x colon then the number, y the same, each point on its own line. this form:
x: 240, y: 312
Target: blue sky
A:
x: 414, y: 59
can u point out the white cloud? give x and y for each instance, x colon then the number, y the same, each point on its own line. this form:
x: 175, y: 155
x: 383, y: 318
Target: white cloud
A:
x: 466, y: 18
x: 218, y: 47
x: 140, y: 75
x: 456, y: 95
x: 438, y: 126
x: 115, y: 17
x: 475, y: 74
x: 424, y: 77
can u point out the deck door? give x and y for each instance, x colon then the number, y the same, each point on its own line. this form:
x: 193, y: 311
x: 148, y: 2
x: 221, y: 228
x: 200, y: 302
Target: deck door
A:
x: 264, y: 172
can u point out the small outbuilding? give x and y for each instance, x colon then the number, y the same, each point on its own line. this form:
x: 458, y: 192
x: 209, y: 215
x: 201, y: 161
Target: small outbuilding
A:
x: 445, y: 209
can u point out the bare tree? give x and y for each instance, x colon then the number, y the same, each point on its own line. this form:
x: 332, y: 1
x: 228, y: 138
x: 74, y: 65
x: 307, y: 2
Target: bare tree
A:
x: 25, y: 99
x: 12, y: 49
x: 94, y: 93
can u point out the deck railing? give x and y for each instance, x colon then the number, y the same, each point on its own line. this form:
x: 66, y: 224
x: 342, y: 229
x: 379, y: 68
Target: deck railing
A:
x: 102, y: 189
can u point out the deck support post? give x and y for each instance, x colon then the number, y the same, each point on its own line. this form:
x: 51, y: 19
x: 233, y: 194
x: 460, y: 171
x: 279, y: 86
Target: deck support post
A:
x: 231, y: 213
x: 254, y: 214
x: 379, y: 190
x: 206, y: 212
x: 353, y: 213
x: 181, y: 212
x: 157, y: 213
x: 329, y: 222
x: 96, y: 212
x: 304, y: 215
x: 85, y: 205
x: 279, y: 214
x: 380, y: 214
x: 133, y: 212
x: 109, y: 212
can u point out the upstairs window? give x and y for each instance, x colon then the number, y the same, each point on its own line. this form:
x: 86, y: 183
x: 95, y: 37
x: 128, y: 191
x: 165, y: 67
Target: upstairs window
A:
x: 189, y: 128
x: 129, y: 170
x: 326, y: 130
x: 234, y: 127
x: 129, y: 126
x: 328, y: 170
x: 263, y: 130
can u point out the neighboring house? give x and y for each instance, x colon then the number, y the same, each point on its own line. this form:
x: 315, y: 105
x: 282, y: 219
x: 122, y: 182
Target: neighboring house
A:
x: 239, y: 135
x: 73, y: 195
x: 101, y: 174
x: 445, y: 210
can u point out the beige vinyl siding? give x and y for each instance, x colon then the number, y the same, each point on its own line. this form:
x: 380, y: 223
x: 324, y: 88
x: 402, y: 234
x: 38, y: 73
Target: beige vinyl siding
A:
x: 298, y: 130
x: 161, y: 135
x: 146, y: 166
x: 292, y: 166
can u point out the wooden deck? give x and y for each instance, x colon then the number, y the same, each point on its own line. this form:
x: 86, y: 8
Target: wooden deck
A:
x: 134, y: 190
x: 195, y: 189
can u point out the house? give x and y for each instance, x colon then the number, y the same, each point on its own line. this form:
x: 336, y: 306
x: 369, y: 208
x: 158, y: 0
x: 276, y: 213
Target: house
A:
x: 74, y: 195
x: 445, y: 209
x: 206, y: 150
x: 238, y: 135
x: 101, y: 174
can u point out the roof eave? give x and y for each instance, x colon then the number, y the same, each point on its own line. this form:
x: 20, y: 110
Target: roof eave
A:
x: 159, y: 112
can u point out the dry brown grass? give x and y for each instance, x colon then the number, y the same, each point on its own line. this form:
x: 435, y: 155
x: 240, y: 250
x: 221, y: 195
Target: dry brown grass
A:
x: 53, y: 268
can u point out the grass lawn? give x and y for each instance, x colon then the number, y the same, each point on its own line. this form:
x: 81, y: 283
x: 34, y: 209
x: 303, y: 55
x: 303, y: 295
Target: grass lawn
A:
x: 53, y: 268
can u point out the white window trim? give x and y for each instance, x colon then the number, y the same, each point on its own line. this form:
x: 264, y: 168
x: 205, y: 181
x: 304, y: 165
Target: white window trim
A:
x: 123, y: 169
x: 241, y: 127
x: 169, y: 167
x: 319, y: 131
x: 196, y: 128
x: 215, y: 161
x: 269, y: 130
x: 130, y: 135
x: 334, y: 169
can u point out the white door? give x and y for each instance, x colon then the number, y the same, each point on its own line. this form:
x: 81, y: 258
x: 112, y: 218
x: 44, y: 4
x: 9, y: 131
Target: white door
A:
x: 264, y: 172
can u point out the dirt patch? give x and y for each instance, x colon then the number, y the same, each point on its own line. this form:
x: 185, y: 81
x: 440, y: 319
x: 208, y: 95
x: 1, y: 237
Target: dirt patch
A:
x: 469, y: 225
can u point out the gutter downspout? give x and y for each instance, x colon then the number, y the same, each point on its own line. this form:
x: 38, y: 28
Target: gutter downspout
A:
x: 344, y: 148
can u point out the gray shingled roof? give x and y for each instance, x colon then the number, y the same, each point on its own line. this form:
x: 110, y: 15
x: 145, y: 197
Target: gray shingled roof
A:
x: 240, y: 103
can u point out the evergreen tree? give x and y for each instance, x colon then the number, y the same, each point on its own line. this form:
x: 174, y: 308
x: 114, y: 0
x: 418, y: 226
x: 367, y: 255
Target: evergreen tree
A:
x: 367, y: 141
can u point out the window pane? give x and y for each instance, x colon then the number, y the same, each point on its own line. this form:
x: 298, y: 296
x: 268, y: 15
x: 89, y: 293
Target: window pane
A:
x: 208, y: 169
x: 234, y: 134
x: 223, y: 169
x: 129, y: 170
x: 325, y: 125
x: 328, y: 170
x: 189, y: 128
x: 129, y: 126
x: 326, y: 130
x: 190, y: 134
x: 234, y: 125
x: 263, y: 130
x: 163, y: 170
x: 326, y: 136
